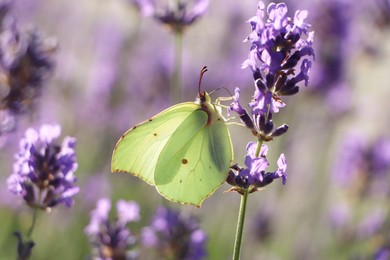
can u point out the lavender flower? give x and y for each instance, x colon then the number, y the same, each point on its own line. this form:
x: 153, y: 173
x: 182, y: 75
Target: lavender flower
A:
x: 24, y: 248
x: 44, y: 171
x: 254, y: 176
x: 175, y: 236
x: 25, y: 63
x: 178, y: 17
x: 277, y: 46
x: 263, y: 225
x: 333, y: 21
x: 113, y: 240
x: 363, y: 167
x: 260, y: 123
x: 361, y: 172
x: 383, y: 253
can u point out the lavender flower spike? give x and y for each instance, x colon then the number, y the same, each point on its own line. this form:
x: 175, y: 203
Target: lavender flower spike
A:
x: 44, y: 171
x: 277, y: 46
x: 178, y: 16
x: 278, y: 60
x: 25, y: 63
x: 175, y: 236
x: 112, y: 240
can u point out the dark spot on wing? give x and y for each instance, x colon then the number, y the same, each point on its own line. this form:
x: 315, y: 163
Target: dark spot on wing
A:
x: 219, y: 119
x: 184, y: 161
x: 150, y: 120
x: 181, y: 181
x: 155, y: 134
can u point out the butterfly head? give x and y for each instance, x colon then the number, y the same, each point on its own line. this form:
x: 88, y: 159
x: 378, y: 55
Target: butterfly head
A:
x: 203, y: 97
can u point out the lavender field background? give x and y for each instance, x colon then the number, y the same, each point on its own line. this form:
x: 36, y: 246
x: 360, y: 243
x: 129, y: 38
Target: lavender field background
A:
x: 113, y: 68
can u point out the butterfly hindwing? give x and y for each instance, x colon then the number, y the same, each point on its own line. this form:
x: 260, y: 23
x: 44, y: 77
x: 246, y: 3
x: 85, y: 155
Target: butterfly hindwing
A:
x: 195, y: 161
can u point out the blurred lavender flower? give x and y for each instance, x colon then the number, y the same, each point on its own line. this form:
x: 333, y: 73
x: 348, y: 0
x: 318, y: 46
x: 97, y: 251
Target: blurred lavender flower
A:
x: 383, y: 253
x: 340, y: 215
x: 44, y: 171
x: 361, y: 167
x: 175, y: 236
x: 177, y: 17
x: 25, y: 63
x: 263, y: 225
x: 24, y: 248
x: 362, y: 173
x: 383, y: 8
x: 333, y: 22
x: 113, y: 240
x: 372, y: 224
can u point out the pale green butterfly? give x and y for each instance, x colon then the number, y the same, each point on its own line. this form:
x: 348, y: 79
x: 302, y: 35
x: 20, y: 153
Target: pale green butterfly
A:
x: 185, y: 151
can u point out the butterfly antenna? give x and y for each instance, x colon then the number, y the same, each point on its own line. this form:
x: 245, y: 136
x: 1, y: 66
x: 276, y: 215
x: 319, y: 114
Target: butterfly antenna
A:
x: 202, y: 71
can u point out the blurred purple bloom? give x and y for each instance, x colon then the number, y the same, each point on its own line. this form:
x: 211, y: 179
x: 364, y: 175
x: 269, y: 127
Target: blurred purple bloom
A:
x: 359, y: 166
x: 334, y: 23
x: 383, y: 253
x: 112, y: 240
x: 44, y: 171
x: 340, y: 215
x: 175, y: 236
x: 25, y: 63
x: 372, y: 223
x: 263, y: 225
x: 145, y: 7
x: 254, y: 176
x: 177, y: 17
x: 349, y: 160
x: 24, y: 247
x: 380, y: 156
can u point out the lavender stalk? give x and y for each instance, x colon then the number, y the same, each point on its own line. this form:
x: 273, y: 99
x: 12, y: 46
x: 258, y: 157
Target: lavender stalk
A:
x: 277, y: 47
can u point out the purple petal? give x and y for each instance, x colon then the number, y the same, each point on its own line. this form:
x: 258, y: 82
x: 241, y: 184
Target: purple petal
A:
x: 127, y: 211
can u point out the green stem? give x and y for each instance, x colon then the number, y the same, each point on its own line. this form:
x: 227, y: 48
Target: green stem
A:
x: 241, y: 214
x: 258, y: 147
x: 34, y: 219
x: 240, y: 226
x: 176, y: 82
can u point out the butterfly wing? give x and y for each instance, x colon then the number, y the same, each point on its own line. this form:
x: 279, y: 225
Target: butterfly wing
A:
x: 138, y: 150
x: 195, y: 161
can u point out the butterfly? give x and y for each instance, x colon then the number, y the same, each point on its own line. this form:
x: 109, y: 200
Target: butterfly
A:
x: 185, y: 151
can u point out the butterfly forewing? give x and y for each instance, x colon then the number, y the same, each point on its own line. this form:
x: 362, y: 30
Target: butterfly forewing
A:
x: 139, y: 148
